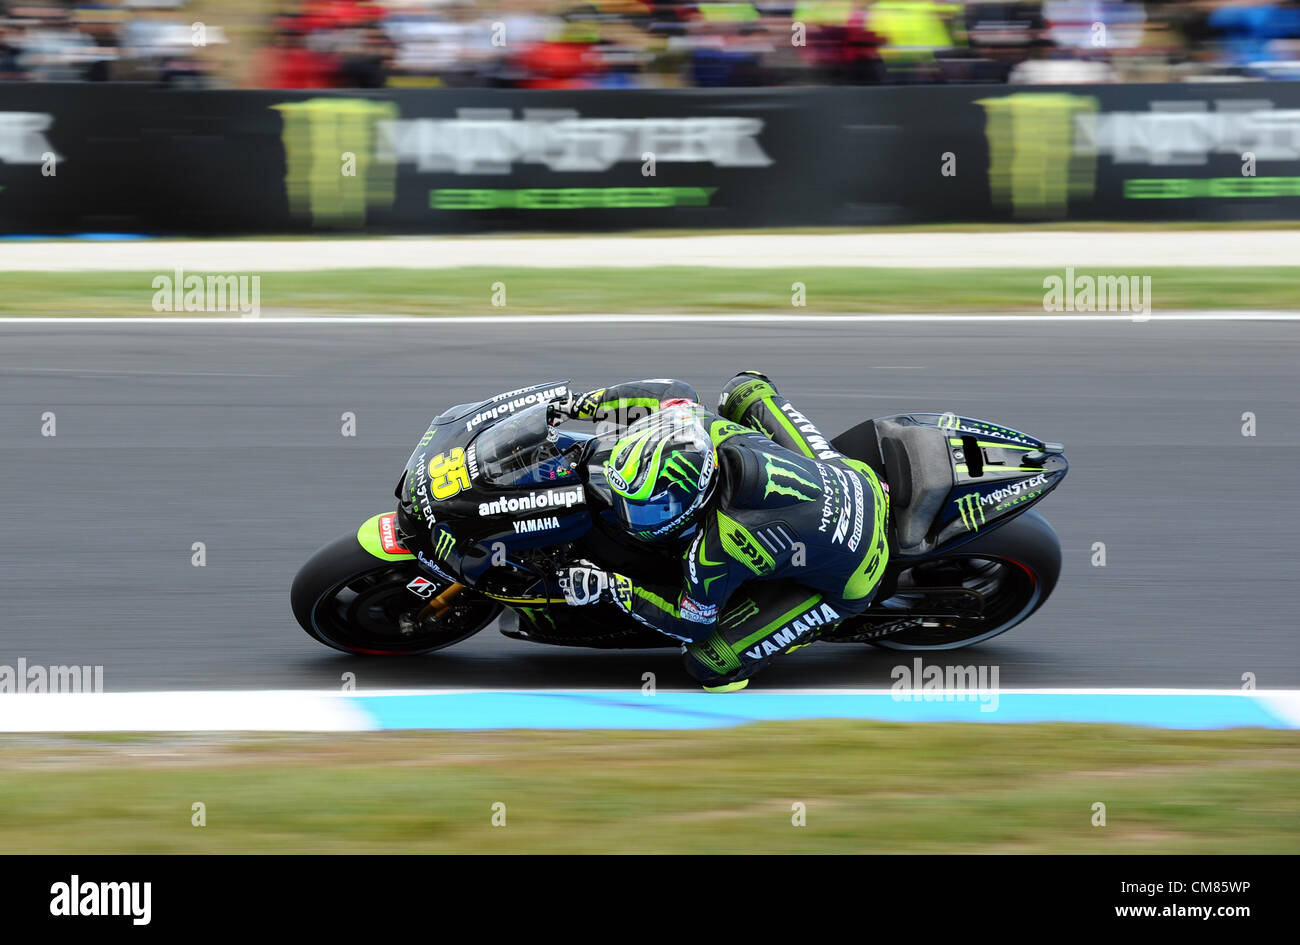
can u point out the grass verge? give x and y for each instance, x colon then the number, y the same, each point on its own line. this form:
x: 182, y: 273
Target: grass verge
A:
x: 667, y: 290
x: 866, y: 787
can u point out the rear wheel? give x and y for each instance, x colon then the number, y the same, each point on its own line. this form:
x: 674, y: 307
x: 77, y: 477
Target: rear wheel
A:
x: 982, y: 590
x: 349, y: 600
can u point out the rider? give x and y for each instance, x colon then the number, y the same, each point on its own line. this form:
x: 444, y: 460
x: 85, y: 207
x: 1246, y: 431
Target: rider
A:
x: 755, y: 494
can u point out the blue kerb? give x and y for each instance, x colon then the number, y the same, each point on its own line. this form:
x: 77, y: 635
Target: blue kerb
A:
x: 555, y: 709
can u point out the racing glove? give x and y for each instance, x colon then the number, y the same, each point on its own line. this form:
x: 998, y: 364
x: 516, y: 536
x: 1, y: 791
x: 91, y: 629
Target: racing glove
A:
x: 583, y: 583
x: 577, y: 406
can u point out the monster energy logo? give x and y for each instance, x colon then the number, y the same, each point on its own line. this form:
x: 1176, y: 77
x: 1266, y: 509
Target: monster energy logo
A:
x: 969, y: 506
x: 681, y: 471
x: 332, y: 168
x: 738, y: 614
x: 949, y: 421
x: 444, y: 545
x: 1035, y: 167
x: 784, y: 479
x: 532, y: 613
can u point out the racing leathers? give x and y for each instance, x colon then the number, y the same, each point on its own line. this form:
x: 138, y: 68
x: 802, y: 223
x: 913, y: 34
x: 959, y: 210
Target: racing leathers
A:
x: 792, y: 540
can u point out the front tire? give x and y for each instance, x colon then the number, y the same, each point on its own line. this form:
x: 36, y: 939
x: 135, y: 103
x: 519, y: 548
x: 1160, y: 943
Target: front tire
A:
x: 352, y: 601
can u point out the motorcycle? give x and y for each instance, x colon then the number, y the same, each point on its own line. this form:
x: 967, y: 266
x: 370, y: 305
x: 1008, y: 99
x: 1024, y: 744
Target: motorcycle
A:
x: 505, y: 496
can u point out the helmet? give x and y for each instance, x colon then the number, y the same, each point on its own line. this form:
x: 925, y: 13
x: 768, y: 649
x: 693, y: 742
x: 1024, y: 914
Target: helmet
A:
x: 661, y: 472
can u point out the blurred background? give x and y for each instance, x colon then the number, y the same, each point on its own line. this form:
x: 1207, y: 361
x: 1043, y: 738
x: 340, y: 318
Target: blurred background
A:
x: 651, y: 44
x: 442, y: 116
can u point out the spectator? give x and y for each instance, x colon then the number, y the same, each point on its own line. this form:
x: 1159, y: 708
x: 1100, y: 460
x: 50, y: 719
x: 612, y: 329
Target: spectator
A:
x: 293, y: 64
x: 9, y: 69
x: 659, y: 43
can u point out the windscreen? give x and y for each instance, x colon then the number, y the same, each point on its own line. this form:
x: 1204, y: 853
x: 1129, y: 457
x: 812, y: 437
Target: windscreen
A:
x: 525, y: 450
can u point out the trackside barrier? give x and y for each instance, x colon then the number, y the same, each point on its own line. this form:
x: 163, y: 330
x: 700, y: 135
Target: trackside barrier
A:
x: 111, y: 158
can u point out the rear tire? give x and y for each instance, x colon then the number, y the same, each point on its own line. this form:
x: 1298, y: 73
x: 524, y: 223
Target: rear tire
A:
x: 1021, y: 559
x: 352, y: 601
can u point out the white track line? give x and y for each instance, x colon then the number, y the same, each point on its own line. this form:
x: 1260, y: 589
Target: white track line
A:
x: 1121, y: 251
x: 650, y: 318
x: 251, y: 710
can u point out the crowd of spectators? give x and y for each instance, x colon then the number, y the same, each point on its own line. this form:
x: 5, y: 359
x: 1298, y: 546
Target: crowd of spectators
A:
x: 645, y: 43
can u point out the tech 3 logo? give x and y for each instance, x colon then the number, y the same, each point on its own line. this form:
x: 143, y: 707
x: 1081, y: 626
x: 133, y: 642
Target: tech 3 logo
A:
x: 972, y: 511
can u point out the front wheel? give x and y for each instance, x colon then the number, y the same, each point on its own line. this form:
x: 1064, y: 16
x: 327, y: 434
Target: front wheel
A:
x: 349, y: 600
x: 981, y: 590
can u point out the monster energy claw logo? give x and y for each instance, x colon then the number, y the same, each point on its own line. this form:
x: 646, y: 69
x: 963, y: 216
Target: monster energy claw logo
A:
x: 783, y: 479
x: 969, y: 506
x: 444, y: 545
x: 949, y: 421
x: 1037, y: 160
x: 739, y: 613
x: 681, y: 471
x: 333, y: 168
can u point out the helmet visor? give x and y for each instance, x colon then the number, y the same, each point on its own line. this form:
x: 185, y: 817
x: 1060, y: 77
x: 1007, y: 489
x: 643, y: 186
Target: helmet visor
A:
x: 650, y: 514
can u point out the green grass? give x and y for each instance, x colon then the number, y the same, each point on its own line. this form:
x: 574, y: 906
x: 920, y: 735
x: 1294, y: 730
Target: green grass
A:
x: 867, y: 787
x: 541, y: 291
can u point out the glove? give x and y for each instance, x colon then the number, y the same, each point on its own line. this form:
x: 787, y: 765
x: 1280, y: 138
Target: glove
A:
x: 580, y: 406
x: 583, y: 583
x: 559, y: 410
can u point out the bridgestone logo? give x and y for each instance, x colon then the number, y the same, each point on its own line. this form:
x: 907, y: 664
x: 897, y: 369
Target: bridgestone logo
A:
x: 553, y: 498
x: 509, y: 406
x: 860, y: 503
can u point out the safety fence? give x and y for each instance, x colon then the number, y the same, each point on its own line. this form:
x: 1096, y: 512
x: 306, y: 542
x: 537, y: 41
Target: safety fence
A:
x: 115, y: 159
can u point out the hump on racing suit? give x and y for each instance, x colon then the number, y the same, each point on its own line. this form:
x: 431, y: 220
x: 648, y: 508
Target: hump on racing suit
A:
x: 788, y: 509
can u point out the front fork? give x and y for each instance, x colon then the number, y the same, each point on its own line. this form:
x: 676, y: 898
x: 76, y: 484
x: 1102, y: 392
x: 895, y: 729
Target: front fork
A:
x: 410, y: 621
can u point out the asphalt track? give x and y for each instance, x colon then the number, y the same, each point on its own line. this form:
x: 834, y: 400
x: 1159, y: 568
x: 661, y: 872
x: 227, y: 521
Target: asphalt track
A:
x: 230, y: 435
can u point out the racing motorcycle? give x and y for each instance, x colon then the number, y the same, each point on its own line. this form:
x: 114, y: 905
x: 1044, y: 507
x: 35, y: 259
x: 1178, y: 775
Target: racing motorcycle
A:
x: 502, y: 496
